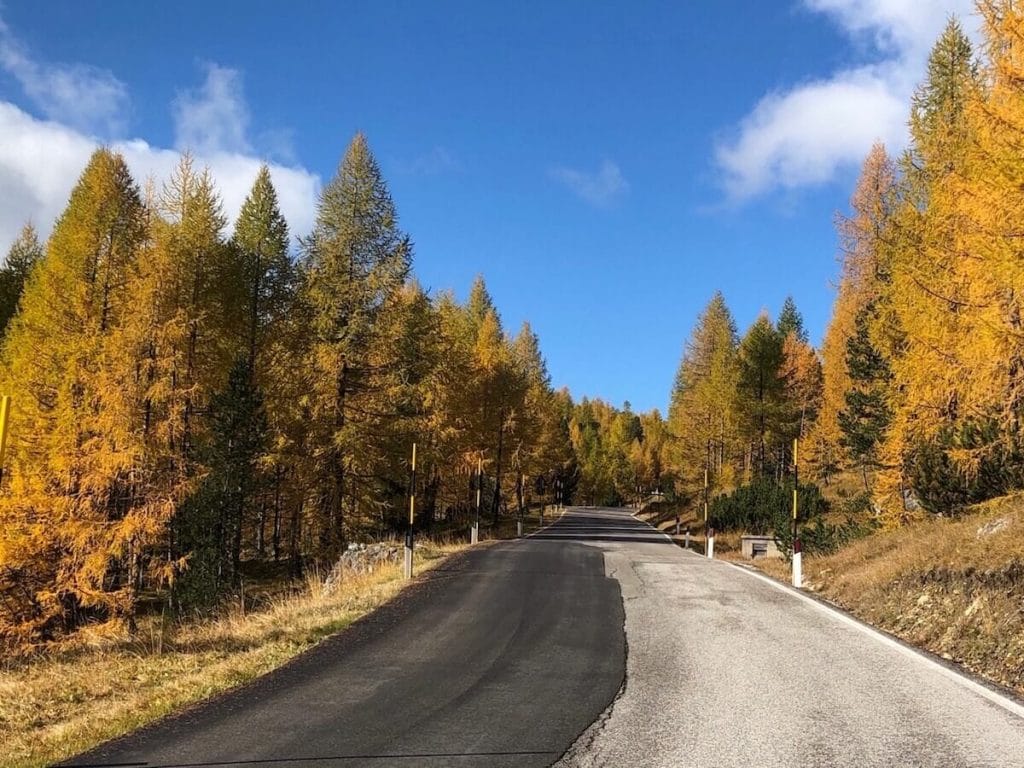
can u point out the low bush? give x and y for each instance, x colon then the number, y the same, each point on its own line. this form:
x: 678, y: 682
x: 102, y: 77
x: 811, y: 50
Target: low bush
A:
x: 766, y: 507
x: 762, y: 505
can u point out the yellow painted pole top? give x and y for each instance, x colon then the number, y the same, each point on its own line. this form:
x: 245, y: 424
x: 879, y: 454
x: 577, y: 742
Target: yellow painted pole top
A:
x: 5, y: 413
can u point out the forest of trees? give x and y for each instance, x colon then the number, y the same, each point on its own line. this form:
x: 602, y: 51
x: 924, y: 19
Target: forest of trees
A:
x: 619, y: 454
x: 187, y: 401
x: 917, y: 392
x: 738, y: 403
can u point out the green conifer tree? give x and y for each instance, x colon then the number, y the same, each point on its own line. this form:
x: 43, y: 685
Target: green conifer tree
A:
x: 23, y: 255
x: 355, y: 260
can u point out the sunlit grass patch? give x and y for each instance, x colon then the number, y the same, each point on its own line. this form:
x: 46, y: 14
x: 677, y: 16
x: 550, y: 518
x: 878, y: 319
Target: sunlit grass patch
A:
x: 103, y: 683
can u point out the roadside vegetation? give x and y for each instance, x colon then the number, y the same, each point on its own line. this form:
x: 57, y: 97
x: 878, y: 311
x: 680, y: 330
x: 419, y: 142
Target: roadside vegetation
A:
x: 103, y: 681
x: 952, y: 586
x: 907, y: 418
x: 191, y: 405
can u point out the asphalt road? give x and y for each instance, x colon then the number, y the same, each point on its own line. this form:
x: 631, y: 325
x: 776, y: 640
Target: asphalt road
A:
x: 726, y: 668
x: 513, y: 655
x: 501, y: 657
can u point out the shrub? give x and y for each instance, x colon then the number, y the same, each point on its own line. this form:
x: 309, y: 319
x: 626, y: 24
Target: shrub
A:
x: 763, y: 505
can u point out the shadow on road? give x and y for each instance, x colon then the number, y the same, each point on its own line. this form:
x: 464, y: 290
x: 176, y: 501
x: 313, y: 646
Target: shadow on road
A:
x: 601, y: 525
x: 317, y: 759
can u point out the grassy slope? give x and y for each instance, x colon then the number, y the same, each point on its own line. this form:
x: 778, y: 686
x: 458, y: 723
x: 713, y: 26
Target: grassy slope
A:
x: 952, y: 586
x: 103, y: 684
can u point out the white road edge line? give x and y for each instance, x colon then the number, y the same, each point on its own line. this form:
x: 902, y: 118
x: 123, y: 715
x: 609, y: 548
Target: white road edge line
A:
x: 633, y: 515
x: 534, y: 533
x: 985, y: 692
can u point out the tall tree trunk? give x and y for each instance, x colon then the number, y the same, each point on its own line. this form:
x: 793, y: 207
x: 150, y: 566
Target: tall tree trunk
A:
x: 294, y: 535
x: 276, y: 542
x: 261, y: 529
x: 496, y: 501
x: 236, y: 545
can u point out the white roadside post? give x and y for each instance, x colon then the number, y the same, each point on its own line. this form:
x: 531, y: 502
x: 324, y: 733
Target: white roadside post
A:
x: 797, y: 554
x: 519, y: 496
x: 709, y: 533
x: 412, y: 516
x: 474, y: 534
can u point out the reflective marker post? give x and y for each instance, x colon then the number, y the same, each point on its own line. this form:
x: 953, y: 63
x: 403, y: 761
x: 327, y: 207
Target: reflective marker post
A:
x: 709, y: 532
x: 797, y: 554
x: 474, y: 534
x: 519, y: 497
x: 5, y: 418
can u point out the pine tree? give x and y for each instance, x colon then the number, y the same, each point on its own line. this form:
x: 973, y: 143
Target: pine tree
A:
x: 541, y: 433
x: 863, y: 236
x: 791, y: 321
x: 261, y: 237
x: 268, y: 281
x: 801, y: 383
x: 75, y: 521
x: 702, y: 411
x: 356, y: 259
x: 759, y: 394
x: 25, y: 252
x: 236, y: 439
x: 987, y: 365
x: 918, y: 319
x: 866, y: 416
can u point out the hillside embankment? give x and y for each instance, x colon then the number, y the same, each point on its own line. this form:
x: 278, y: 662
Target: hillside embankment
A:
x: 952, y: 586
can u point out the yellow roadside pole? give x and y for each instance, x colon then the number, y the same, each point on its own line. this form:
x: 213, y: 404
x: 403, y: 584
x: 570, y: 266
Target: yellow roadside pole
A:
x: 412, y: 516
x: 5, y: 413
x: 797, y: 554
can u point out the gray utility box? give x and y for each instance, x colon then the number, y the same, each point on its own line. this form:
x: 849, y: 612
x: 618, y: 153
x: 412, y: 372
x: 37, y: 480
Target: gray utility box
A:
x: 759, y: 546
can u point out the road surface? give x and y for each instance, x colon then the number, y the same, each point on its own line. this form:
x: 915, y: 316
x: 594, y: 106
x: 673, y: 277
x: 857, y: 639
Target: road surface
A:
x: 515, y: 654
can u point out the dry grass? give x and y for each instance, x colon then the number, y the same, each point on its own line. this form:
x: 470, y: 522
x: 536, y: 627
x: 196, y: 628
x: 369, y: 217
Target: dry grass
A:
x: 663, y: 517
x: 104, y: 683
x: 952, y: 586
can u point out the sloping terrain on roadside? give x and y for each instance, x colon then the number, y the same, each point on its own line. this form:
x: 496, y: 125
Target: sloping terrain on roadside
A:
x: 952, y: 586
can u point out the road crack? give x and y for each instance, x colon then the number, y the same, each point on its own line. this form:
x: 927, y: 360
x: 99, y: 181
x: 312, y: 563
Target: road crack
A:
x: 581, y: 753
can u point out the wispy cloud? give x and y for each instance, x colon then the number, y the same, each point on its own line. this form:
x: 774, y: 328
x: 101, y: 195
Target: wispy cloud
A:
x: 85, y: 97
x: 42, y: 157
x: 600, y: 188
x: 803, y: 136
x: 437, y: 160
x: 215, y: 116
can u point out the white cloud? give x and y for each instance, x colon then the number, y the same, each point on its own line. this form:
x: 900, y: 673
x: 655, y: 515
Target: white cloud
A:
x: 600, y: 188
x: 437, y: 160
x: 803, y: 136
x: 40, y: 161
x: 215, y: 117
x: 79, y: 95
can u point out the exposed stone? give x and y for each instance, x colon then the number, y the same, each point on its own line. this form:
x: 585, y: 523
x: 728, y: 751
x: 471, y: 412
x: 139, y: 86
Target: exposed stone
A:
x: 993, y: 526
x: 362, y: 558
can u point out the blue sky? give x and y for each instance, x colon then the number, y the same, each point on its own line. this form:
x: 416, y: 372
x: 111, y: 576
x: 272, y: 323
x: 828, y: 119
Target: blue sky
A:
x: 606, y: 166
